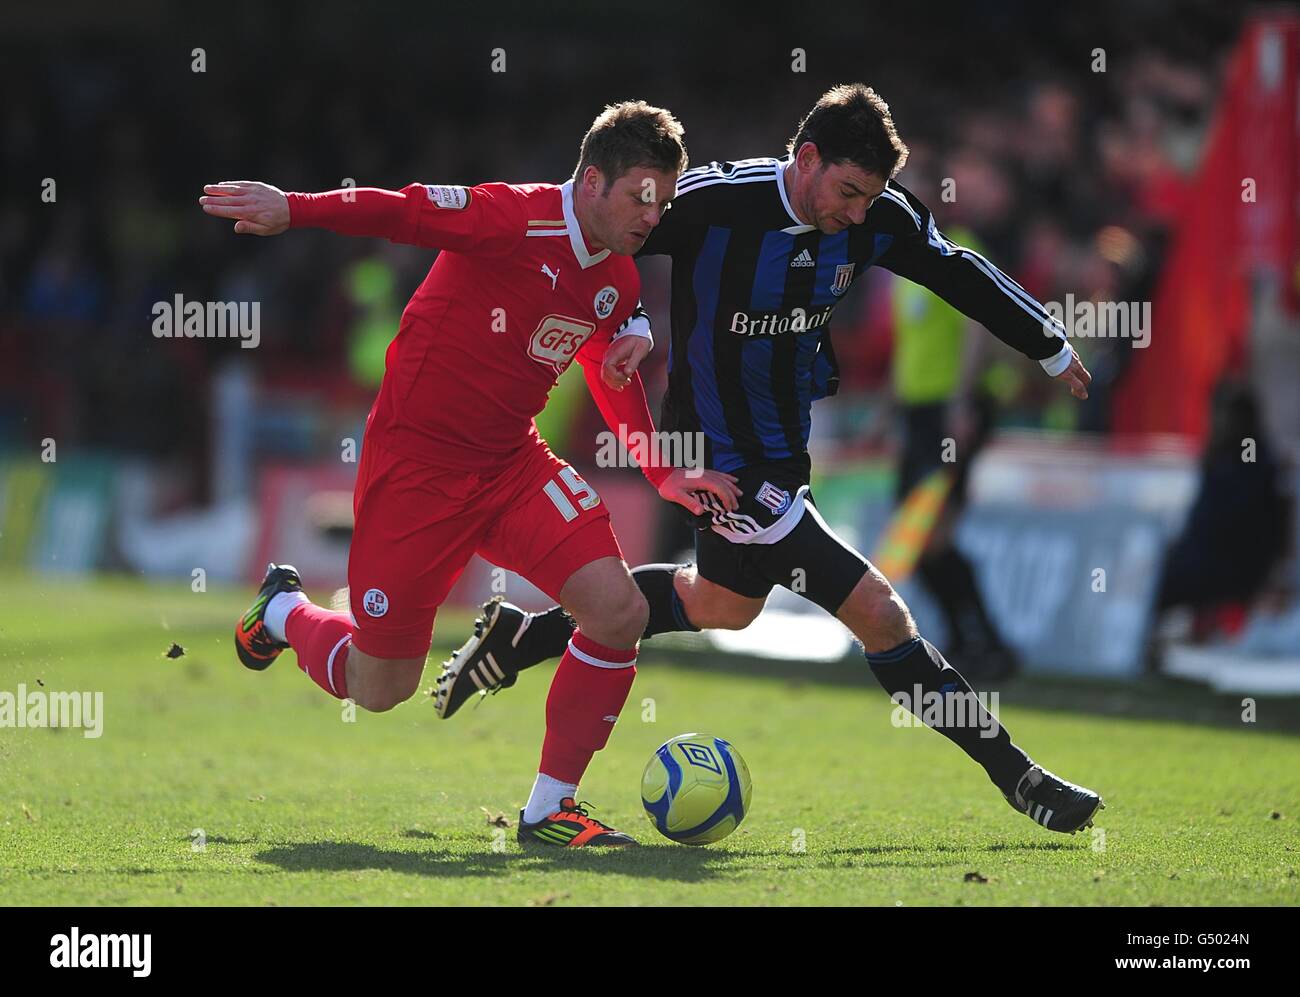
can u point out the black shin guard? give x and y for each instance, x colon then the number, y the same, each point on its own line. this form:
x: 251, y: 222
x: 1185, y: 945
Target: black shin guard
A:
x: 667, y: 614
x: 917, y: 677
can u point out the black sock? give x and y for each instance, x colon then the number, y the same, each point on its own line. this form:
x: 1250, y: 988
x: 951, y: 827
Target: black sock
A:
x: 917, y: 664
x: 667, y: 614
x: 549, y: 632
x: 546, y: 637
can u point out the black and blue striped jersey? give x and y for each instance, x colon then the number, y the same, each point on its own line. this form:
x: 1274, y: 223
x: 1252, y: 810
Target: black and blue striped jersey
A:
x: 754, y: 289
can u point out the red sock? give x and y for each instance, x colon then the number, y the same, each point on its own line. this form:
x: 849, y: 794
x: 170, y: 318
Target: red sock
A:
x: 587, y: 694
x: 321, y: 639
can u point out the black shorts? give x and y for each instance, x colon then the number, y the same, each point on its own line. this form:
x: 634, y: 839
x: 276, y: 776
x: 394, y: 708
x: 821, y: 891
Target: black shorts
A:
x: 776, y: 537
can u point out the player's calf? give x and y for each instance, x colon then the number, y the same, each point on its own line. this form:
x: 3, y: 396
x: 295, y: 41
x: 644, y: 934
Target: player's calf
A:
x: 709, y: 606
x: 913, y: 668
x: 877, y: 614
x: 592, y: 681
x: 282, y: 617
x: 379, y: 684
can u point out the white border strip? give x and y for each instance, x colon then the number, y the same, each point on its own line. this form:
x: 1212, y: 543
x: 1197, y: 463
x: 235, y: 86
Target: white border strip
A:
x: 329, y: 665
x: 598, y: 662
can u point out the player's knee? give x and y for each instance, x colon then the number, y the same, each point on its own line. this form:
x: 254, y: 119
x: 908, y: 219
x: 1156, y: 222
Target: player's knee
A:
x: 618, y: 619
x: 381, y: 691
x: 629, y: 618
x: 386, y: 701
x: 383, y: 699
x: 893, y: 620
x: 879, y: 617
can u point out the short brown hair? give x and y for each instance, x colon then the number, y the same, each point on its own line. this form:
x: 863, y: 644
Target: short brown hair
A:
x: 631, y: 134
x: 851, y: 122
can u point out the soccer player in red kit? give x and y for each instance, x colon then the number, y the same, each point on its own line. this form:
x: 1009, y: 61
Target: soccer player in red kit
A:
x: 529, y: 278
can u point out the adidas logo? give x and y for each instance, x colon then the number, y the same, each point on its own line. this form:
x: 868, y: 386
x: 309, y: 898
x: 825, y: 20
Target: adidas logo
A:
x: 804, y: 259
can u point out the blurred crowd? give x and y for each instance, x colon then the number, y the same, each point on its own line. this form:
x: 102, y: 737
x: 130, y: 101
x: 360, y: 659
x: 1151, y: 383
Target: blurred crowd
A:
x: 1070, y: 137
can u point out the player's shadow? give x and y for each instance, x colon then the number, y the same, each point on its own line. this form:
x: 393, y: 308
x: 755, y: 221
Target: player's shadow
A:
x: 217, y: 839
x: 945, y: 849
x: 662, y: 862
x: 903, y: 856
x: 650, y: 861
x: 1035, y: 846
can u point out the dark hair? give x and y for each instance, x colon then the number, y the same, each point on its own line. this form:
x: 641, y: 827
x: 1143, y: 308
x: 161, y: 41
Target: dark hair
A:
x: 851, y: 122
x: 631, y: 134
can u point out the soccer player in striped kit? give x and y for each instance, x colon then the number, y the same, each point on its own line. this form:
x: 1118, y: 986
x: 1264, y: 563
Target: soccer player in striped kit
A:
x: 762, y: 251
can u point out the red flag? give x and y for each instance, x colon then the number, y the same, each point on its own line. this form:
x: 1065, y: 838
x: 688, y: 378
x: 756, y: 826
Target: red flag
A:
x: 1241, y: 218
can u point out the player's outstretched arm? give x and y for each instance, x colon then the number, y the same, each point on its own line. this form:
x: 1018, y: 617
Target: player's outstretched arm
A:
x: 974, y: 286
x: 257, y: 208
x: 489, y: 219
x: 627, y: 415
x: 260, y: 209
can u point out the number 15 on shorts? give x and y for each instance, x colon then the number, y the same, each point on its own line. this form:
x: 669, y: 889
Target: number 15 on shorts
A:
x: 578, y: 490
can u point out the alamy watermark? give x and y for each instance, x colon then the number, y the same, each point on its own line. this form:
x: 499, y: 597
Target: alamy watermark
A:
x: 1100, y: 320
x: 46, y: 708
x: 102, y: 951
x: 181, y: 319
x: 657, y: 449
x: 948, y: 708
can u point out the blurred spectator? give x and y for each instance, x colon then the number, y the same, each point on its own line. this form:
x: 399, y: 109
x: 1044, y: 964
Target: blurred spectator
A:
x: 1046, y: 154
x: 1236, y: 531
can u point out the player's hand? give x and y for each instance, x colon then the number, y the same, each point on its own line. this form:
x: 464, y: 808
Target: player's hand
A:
x: 622, y: 357
x: 1076, y: 376
x: 682, y: 485
x: 258, y: 208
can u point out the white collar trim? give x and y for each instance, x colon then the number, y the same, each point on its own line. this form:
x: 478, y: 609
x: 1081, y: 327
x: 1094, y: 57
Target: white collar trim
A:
x: 798, y: 228
x: 579, y: 244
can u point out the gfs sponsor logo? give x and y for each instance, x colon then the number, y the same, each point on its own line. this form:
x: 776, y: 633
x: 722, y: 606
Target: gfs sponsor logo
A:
x: 557, y: 341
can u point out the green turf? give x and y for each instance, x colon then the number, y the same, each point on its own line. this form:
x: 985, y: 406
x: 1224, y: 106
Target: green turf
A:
x: 299, y: 807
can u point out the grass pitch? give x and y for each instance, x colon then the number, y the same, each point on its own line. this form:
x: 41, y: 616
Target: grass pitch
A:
x: 214, y: 785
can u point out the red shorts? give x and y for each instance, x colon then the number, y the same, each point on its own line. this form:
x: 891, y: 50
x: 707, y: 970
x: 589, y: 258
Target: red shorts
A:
x: 417, y: 526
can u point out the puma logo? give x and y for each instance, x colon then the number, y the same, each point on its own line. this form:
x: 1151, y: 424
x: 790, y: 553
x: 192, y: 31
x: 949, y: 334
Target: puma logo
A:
x: 553, y: 274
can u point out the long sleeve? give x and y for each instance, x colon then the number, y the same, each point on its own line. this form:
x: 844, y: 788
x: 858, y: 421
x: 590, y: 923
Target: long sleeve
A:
x: 967, y: 281
x: 626, y: 413
x: 637, y: 324
x: 488, y: 219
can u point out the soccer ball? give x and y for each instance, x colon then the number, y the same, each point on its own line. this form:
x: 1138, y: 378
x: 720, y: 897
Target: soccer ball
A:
x: 695, y: 789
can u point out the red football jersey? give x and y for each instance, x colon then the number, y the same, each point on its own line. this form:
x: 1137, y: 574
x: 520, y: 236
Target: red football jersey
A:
x: 512, y: 299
